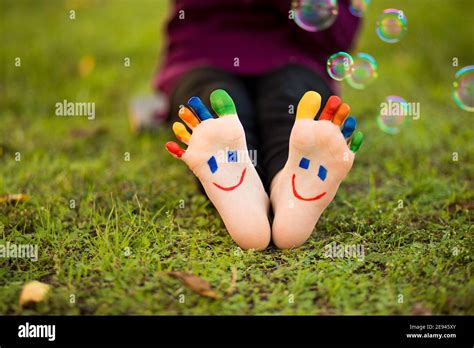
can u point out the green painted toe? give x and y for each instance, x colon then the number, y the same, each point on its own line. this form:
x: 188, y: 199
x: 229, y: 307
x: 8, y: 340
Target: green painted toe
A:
x: 222, y: 103
x: 357, y: 140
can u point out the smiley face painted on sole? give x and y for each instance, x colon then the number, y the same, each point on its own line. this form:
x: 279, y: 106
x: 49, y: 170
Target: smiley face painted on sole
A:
x: 218, y: 156
x: 320, y: 155
x: 321, y: 175
x: 232, y: 157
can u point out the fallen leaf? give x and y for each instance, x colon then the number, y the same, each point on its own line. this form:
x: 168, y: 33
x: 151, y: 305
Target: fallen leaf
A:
x: 195, y: 283
x: 233, y: 282
x: 419, y: 309
x: 33, y: 292
x: 453, y: 207
x: 14, y: 197
x: 86, y: 65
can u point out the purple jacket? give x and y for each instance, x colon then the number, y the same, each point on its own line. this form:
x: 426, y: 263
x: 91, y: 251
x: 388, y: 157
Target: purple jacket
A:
x: 257, y: 33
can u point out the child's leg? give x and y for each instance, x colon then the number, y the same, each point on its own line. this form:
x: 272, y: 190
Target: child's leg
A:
x: 319, y: 157
x: 202, y: 82
x: 278, y: 94
x: 218, y: 156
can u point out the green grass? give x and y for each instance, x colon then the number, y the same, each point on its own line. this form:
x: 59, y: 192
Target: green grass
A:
x: 410, y: 251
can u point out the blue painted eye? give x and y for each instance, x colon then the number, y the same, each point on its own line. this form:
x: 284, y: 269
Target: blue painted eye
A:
x: 304, y: 163
x: 232, y: 156
x: 212, y: 164
x: 322, y: 172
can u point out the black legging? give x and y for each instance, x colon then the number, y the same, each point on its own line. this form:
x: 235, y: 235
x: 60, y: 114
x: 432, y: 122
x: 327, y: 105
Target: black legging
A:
x: 266, y: 106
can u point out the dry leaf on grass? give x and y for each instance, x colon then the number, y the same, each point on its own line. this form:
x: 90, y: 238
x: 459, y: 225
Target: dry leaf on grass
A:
x: 33, y: 292
x: 419, y: 309
x: 14, y: 197
x: 195, y: 283
x: 86, y: 65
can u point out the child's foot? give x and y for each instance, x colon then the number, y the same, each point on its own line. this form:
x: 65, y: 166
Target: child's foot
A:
x: 319, y: 159
x: 217, y: 154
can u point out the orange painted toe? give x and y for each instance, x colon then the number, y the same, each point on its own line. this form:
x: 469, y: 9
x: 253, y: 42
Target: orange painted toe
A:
x: 341, y: 114
x: 188, y: 116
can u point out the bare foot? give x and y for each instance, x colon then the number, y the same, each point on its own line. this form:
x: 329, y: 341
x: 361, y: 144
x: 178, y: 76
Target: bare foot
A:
x: 217, y: 154
x: 320, y: 156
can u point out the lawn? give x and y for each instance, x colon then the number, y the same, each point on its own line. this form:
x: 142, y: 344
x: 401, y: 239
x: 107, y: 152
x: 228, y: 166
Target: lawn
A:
x: 112, y: 213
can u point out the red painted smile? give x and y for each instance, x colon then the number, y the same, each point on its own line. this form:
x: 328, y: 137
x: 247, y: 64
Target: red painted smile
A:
x: 296, y: 194
x: 230, y: 188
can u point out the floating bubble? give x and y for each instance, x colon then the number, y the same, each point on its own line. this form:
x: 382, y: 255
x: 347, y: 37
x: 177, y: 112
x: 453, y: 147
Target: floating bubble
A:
x: 315, y: 15
x: 359, y: 7
x: 364, y: 71
x: 463, y: 92
x: 339, y: 65
x: 391, y: 25
x: 393, y: 114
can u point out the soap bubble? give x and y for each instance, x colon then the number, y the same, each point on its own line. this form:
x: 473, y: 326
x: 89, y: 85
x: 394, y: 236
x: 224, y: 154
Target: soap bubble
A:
x: 339, y: 65
x: 393, y: 114
x: 364, y: 71
x: 315, y: 15
x: 359, y: 7
x: 463, y: 92
x: 391, y: 25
